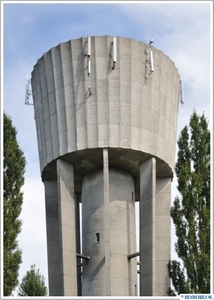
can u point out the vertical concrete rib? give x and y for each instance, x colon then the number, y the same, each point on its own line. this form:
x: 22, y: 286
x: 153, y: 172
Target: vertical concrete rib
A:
x: 73, y: 108
x: 114, y: 103
x: 125, y: 80
x: 106, y: 113
x: 45, y: 86
x: 68, y: 87
x: 131, y: 95
x: 67, y: 231
x: 51, y: 88
x: 106, y: 217
x: 48, y: 105
x: 100, y: 51
x: 86, y: 92
x: 59, y: 94
x: 38, y: 107
x: 136, y: 90
x: 147, y: 227
x: 91, y: 100
x: 95, y: 90
x: 79, y: 86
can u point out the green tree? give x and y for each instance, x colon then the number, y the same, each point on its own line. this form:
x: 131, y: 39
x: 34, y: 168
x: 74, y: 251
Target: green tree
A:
x: 13, y: 169
x: 191, y: 211
x: 33, y: 283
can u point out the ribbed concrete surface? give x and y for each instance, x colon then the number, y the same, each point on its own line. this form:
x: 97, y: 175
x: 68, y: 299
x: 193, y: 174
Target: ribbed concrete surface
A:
x: 125, y: 110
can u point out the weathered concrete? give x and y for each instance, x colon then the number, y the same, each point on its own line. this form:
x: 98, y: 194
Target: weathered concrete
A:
x: 163, y: 234
x: 52, y: 227
x: 61, y: 232
x: 125, y: 110
x: 154, y: 230
x: 67, y: 228
x: 148, y: 228
x: 78, y: 243
x: 106, y: 221
x: 122, y: 234
x: 135, y: 118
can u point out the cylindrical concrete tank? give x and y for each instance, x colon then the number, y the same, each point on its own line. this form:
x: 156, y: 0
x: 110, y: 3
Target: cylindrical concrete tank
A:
x: 122, y: 233
x: 125, y: 110
x: 101, y: 104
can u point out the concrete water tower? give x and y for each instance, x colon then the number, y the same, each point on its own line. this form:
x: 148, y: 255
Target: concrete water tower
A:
x: 106, y: 117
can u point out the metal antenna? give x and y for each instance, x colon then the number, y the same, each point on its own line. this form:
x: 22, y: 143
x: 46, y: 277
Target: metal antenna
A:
x: 181, y: 93
x: 150, y: 61
x: 89, y: 65
x: 114, y: 54
x: 28, y: 91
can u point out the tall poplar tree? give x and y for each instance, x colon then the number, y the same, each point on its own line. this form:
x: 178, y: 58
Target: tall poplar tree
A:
x: 13, y: 168
x: 191, y: 210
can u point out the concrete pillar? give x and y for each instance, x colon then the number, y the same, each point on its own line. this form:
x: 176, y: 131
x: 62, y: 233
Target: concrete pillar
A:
x: 123, y: 271
x: 122, y: 233
x: 148, y: 227
x: 78, y: 244
x: 67, y: 230
x: 93, y: 235
x: 163, y: 231
x: 106, y: 221
x: 53, y: 244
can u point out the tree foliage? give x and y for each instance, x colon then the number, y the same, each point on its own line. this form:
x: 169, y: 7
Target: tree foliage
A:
x: 191, y: 211
x: 33, y: 283
x: 13, y: 169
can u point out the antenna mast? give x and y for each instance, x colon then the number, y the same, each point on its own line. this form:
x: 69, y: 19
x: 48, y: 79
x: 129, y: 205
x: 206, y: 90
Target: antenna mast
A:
x: 28, y: 91
x: 150, y: 61
x: 181, y: 93
x: 89, y: 64
x: 114, y: 54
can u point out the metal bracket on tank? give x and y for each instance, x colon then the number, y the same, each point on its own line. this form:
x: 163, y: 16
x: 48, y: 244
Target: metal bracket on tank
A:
x: 90, y: 92
x: 83, y: 256
x: 133, y: 255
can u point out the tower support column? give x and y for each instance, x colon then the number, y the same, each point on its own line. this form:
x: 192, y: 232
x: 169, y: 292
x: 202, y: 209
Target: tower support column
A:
x: 106, y: 221
x: 67, y: 230
x: 61, y: 231
x: 163, y: 232
x: 53, y: 245
x: 148, y: 227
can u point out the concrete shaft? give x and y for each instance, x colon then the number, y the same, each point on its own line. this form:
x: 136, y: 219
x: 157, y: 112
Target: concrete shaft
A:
x: 61, y: 232
x: 155, y: 227
x: 123, y: 272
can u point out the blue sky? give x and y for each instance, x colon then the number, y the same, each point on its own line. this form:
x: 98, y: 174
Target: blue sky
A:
x: 29, y: 29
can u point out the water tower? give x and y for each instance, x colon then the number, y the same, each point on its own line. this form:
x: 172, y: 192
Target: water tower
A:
x: 106, y: 117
